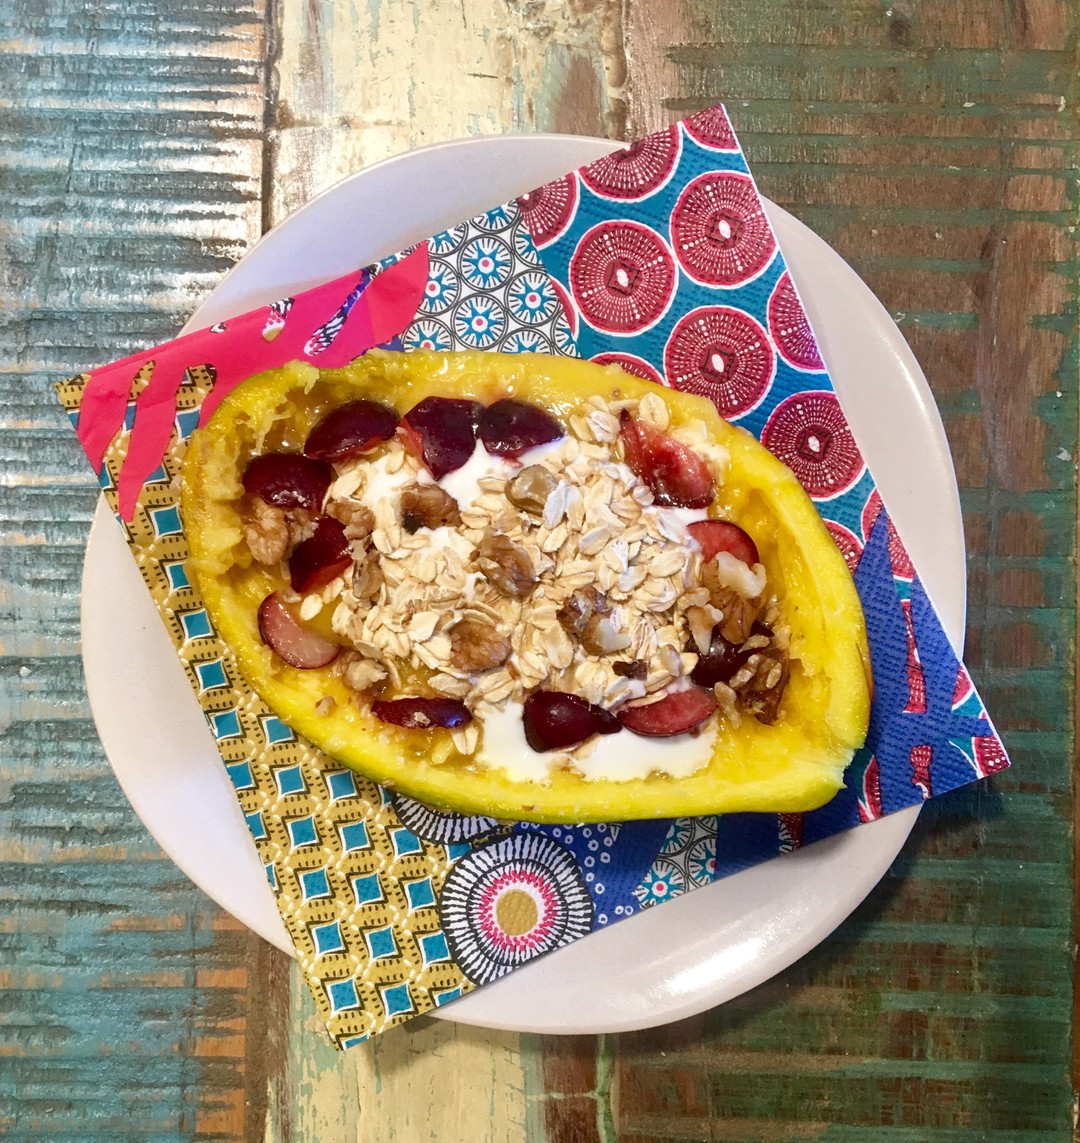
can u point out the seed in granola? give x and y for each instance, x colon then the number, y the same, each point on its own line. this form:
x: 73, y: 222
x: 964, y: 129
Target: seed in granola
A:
x: 476, y: 645
x: 427, y: 506
x: 631, y: 669
x: 530, y: 489
x: 505, y: 565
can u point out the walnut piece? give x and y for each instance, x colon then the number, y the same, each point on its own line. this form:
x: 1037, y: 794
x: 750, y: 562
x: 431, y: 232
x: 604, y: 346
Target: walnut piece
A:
x: 270, y: 532
x: 358, y: 518
x: 427, y: 506
x: 476, y: 645
x: 761, y: 682
x: 505, y: 565
x: 360, y: 674
x: 579, y: 608
x: 739, y: 612
x: 367, y: 576
x: 631, y: 669
x: 600, y: 636
x: 530, y: 489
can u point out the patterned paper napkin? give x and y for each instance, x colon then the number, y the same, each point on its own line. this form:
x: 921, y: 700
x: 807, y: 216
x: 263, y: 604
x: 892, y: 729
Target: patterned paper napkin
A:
x: 659, y: 257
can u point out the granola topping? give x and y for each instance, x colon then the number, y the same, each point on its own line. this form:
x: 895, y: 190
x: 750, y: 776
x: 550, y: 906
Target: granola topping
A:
x: 556, y: 572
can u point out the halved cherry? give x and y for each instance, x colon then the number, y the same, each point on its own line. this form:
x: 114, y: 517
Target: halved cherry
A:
x: 510, y: 427
x: 286, y: 636
x: 676, y: 713
x: 678, y: 477
x: 422, y: 713
x: 322, y: 556
x: 723, y: 658
x: 352, y: 428
x: 288, y: 480
x: 441, y: 431
x: 715, y: 536
x: 554, y: 720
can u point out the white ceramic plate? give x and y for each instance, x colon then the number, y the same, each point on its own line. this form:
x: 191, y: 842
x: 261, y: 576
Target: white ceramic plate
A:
x: 667, y: 963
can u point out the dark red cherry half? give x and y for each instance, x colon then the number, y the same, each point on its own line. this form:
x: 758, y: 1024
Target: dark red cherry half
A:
x: 288, y: 480
x: 442, y: 432
x: 676, y: 713
x: 714, y: 536
x: 352, y: 428
x: 678, y: 477
x: 554, y: 721
x: 723, y: 658
x: 321, y: 557
x: 422, y: 713
x: 298, y: 645
x: 510, y: 427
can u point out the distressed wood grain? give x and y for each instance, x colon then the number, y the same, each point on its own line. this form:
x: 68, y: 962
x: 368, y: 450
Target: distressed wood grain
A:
x: 132, y: 138
x: 934, y: 146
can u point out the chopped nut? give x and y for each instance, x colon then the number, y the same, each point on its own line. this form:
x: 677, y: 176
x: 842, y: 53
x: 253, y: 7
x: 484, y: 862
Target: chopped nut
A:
x: 601, y: 637
x: 739, y: 612
x: 476, y: 645
x: 576, y: 612
x: 631, y: 669
x: 505, y: 565
x: 761, y: 683
x: 266, y: 531
x: 359, y: 673
x: 427, y: 506
x: 701, y: 626
x: 530, y: 489
x: 325, y: 705
x: 359, y: 520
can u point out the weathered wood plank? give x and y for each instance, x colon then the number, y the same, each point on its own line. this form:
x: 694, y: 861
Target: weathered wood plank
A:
x: 133, y: 141
x: 357, y: 85
x: 946, y: 177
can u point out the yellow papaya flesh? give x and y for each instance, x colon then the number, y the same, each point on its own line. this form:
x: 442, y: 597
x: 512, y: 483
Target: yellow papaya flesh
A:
x: 794, y: 763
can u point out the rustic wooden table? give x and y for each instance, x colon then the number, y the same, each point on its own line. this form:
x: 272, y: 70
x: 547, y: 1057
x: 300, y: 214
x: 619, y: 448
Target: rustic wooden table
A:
x: 146, y: 146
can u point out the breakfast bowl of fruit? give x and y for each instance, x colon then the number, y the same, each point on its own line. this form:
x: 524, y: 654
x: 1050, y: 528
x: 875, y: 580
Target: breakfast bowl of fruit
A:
x: 528, y: 587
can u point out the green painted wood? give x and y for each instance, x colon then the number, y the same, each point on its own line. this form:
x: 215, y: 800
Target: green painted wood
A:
x: 934, y: 146
x: 131, y: 137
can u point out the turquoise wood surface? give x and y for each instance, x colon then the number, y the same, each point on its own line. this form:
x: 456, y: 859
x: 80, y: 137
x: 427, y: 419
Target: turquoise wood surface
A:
x: 144, y: 147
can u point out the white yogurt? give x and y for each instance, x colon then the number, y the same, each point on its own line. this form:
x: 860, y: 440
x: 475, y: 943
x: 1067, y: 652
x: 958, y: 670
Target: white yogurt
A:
x: 616, y: 757
x: 381, y: 484
x: 464, y: 482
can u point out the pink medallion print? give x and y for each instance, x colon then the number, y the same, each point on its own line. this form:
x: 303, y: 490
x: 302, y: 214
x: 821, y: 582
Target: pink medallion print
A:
x: 719, y: 230
x: 809, y: 433
x: 622, y: 277
x: 721, y: 353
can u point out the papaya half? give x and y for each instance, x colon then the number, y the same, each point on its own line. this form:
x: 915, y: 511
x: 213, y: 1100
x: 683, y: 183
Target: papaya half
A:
x: 528, y: 587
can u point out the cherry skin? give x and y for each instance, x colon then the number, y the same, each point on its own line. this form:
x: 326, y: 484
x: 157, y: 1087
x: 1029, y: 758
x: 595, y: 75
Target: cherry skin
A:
x: 678, y: 477
x: 351, y: 429
x: 554, y: 721
x: 441, y: 431
x: 676, y: 713
x: 298, y: 645
x: 320, y: 558
x: 715, y: 536
x: 288, y: 480
x: 422, y: 713
x: 510, y: 427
